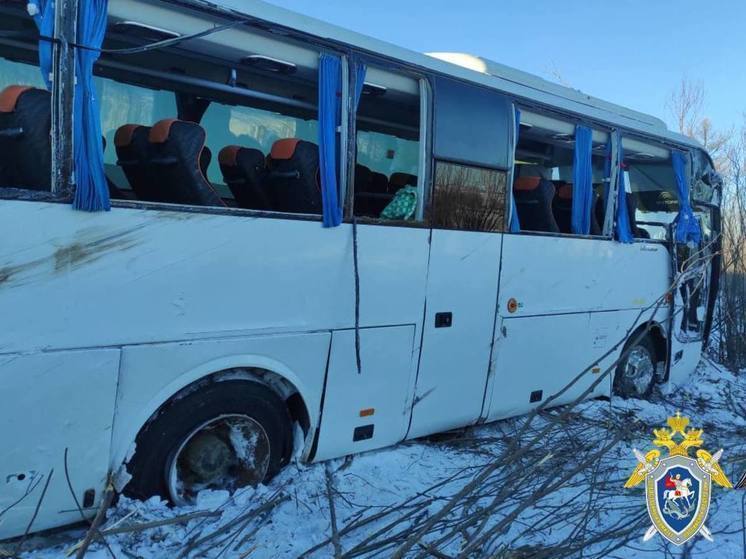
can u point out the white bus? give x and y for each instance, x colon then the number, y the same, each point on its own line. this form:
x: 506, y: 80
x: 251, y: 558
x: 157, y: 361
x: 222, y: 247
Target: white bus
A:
x: 493, y: 235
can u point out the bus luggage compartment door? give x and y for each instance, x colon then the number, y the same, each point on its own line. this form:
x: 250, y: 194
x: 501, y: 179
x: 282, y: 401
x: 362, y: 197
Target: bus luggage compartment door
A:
x: 367, y: 410
x: 52, y: 403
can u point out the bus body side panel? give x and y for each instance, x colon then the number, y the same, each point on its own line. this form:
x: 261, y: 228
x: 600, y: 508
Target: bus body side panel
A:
x: 555, y: 275
x: 151, y: 374
x: 52, y: 402
x: 133, y: 276
x: 367, y: 409
x: 462, y: 282
x: 573, y: 300
x: 685, y: 357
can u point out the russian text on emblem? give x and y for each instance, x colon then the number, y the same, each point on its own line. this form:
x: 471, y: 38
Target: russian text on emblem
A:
x: 678, y: 486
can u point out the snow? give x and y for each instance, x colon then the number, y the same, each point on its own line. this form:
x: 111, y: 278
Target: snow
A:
x: 588, y: 510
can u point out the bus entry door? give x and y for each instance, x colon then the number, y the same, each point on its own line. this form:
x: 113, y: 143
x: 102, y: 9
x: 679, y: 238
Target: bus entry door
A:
x: 692, y: 269
x: 457, y: 333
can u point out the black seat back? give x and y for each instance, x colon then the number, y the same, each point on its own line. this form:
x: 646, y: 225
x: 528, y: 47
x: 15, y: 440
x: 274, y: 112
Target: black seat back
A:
x: 178, y: 161
x: 380, y: 193
x: 637, y: 232
x: 131, y: 143
x: 562, y: 209
x: 245, y: 172
x: 533, y: 199
x: 25, y: 145
x: 363, y: 177
x: 293, y: 179
x: 400, y: 180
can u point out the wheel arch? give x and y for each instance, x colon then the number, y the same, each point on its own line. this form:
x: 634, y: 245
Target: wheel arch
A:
x: 657, y: 334
x: 267, y: 371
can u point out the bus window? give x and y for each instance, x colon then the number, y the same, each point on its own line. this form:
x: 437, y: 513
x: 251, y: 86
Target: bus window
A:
x: 252, y: 129
x: 651, y: 189
x: 387, y: 169
x: 236, y: 130
x: 468, y: 198
x: 543, y: 179
x: 25, y: 115
x: 128, y: 104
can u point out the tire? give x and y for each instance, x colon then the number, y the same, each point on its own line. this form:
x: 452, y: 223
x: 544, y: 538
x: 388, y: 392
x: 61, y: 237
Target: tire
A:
x: 635, y: 374
x: 162, y: 441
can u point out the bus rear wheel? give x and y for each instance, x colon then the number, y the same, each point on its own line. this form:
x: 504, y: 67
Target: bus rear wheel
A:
x: 635, y: 373
x: 225, y: 435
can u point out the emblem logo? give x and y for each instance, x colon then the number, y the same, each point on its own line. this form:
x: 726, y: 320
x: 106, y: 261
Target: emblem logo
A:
x: 678, y: 487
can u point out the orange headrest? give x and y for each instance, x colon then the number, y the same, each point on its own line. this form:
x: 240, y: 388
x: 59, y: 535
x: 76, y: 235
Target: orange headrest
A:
x: 564, y: 192
x: 526, y: 183
x: 284, y: 149
x: 160, y: 132
x: 123, y: 136
x: 10, y: 95
x: 227, y: 156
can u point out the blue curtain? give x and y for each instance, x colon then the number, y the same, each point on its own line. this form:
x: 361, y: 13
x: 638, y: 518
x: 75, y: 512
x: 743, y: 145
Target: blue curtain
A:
x: 360, y: 71
x: 687, y: 227
x: 515, y: 223
x: 91, y: 189
x: 43, y: 11
x: 623, y: 230
x: 607, y: 175
x: 582, y: 193
x: 330, y: 115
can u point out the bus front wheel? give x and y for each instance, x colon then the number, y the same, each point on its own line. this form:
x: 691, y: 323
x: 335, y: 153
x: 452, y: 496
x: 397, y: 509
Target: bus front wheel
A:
x: 635, y: 373
x: 224, y: 435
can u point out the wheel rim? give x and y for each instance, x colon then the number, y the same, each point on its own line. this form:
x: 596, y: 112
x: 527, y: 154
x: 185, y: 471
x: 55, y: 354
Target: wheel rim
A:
x: 227, y: 452
x: 639, y: 369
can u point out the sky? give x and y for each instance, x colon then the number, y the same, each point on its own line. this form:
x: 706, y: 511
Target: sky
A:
x: 631, y: 52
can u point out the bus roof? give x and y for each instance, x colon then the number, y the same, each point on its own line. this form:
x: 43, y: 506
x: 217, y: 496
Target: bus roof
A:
x: 522, y: 85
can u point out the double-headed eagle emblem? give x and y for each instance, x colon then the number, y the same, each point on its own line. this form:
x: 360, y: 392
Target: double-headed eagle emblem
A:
x: 677, y: 487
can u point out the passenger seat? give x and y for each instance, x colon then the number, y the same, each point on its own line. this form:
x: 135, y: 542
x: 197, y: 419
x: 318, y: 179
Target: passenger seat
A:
x: 400, y: 180
x: 363, y: 176
x: 245, y: 172
x: 637, y: 232
x: 293, y: 180
x: 562, y: 209
x: 25, y: 145
x: 131, y: 143
x: 380, y: 194
x: 533, y: 198
x: 178, y: 161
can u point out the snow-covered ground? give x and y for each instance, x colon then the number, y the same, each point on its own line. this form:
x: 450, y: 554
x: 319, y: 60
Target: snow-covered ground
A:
x: 513, y: 511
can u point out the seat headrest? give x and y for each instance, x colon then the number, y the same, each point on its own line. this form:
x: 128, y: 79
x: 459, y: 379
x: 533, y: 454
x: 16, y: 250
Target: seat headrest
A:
x: 564, y: 192
x: 10, y: 95
x: 228, y: 156
x: 123, y: 135
x: 284, y: 149
x: 526, y: 183
x: 403, y: 179
x: 161, y: 131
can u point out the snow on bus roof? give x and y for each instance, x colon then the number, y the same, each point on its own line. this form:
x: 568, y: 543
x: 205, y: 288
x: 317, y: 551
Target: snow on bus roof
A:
x: 467, y: 67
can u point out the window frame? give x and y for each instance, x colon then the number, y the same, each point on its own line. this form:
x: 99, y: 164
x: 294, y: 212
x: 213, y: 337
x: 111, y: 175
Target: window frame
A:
x: 425, y: 160
x: 668, y: 146
x: 112, y: 71
x: 607, y: 227
x: 433, y: 199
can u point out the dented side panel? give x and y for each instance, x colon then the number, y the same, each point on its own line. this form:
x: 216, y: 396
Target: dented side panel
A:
x: 151, y: 374
x: 134, y: 276
x: 180, y: 296
x: 52, y: 403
